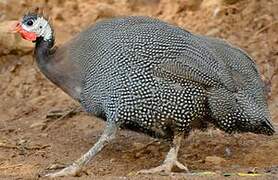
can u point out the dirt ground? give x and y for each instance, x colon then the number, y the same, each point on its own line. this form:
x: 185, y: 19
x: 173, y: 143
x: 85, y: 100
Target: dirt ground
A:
x: 41, y: 129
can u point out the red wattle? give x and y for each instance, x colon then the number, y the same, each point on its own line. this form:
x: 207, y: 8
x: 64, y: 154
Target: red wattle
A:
x: 30, y: 36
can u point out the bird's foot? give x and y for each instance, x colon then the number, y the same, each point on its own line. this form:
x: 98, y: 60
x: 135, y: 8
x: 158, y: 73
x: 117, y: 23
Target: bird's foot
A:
x: 72, y: 170
x: 166, y: 168
x: 76, y: 168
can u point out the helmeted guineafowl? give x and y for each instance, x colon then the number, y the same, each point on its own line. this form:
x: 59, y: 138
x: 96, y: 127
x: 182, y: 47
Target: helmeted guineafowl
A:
x: 149, y: 76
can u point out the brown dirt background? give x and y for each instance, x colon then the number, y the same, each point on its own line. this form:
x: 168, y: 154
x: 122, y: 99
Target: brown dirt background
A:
x: 31, y: 142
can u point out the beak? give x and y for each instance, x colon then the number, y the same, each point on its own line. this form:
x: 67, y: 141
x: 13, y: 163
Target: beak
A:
x: 12, y: 27
x: 15, y: 27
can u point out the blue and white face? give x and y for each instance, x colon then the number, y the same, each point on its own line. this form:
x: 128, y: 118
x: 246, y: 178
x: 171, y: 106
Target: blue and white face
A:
x: 33, y: 26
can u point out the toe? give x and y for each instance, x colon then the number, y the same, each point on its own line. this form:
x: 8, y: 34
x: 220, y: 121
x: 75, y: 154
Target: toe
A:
x: 181, y: 166
x: 165, y: 168
x: 72, y: 170
x: 159, y: 169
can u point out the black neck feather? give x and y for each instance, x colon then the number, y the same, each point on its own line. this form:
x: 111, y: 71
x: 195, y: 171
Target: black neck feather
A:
x: 43, y: 50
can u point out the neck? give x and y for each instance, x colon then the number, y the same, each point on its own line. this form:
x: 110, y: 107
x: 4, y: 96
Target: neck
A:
x: 43, y: 50
x: 55, y: 65
x: 44, y: 53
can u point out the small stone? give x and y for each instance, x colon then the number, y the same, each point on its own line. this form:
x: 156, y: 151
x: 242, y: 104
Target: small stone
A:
x: 228, y: 152
x: 37, y: 124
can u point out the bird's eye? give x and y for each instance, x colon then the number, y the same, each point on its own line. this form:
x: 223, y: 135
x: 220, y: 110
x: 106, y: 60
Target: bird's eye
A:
x: 30, y: 23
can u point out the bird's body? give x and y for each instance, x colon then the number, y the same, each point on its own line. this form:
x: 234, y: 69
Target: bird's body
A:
x: 120, y: 76
x: 149, y: 76
x: 121, y: 63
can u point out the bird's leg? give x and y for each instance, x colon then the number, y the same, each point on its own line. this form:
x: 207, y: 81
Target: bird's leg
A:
x: 170, y: 160
x: 76, y: 167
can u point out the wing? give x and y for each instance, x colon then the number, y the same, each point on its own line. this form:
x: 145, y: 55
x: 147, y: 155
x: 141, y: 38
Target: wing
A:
x: 242, y: 67
x: 207, y: 72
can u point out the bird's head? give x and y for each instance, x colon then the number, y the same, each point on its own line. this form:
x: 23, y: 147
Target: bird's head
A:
x: 34, y: 26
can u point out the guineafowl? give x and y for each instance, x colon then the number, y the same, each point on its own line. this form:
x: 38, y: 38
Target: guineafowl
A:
x: 149, y: 76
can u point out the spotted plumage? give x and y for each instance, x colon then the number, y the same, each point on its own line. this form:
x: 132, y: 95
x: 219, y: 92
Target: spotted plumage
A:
x: 156, y: 76
x: 149, y: 76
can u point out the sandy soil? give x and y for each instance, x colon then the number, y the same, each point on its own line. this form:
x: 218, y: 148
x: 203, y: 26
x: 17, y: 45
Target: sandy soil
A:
x: 34, y: 137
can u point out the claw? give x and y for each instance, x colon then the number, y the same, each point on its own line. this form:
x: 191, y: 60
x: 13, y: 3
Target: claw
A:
x: 181, y: 166
x: 166, y: 168
x: 72, y: 170
x: 170, y: 161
